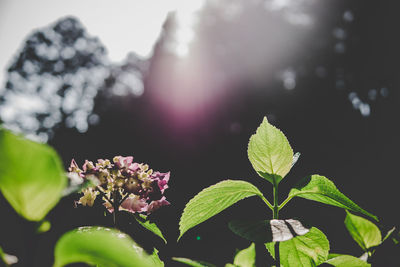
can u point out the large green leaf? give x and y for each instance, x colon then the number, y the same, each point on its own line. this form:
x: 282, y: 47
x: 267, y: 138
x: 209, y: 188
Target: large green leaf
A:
x: 308, y: 250
x: 151, y: 226
x: 364, y: 232
x: 31, y: 176
x: 214, y: 199
x: 270, y: 152
x: 347, y: 261
x: 268, y: 230
x: 246, y: 257
x: 321, y: 189
x: 101, y: 246
x: 193, y: 263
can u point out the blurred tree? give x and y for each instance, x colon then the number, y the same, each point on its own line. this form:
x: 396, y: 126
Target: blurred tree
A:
x: 53, y: 80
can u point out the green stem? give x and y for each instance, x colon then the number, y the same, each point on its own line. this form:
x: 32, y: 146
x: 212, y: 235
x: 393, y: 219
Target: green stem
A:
x: 267, y: 202
x: 284, y: 202
x: 276, y: 216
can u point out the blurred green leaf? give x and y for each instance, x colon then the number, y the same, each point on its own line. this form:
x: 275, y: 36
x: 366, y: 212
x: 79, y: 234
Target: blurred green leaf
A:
x: 99, y: 246
x: 308, y: 250
x: 32, y: 176
x: 364, y: 232
x: 246, y: 257
x: 321, y: 189
x: 193, y: 263
x: 214, y: 199
x: 347, y: 261
x: 151, y: 226
x: 270, y: 152
x: 43, y: 226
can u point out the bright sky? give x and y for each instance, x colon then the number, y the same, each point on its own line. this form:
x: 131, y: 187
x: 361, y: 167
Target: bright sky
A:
x: 121, y: 25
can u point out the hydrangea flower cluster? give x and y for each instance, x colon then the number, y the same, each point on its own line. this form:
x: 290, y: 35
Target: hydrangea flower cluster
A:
x: 122, y: 184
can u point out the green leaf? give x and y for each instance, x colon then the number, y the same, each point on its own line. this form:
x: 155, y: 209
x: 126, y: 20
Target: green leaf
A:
x: 214, y: 199
x: 193, y: 263
x: 321, y: 189
x: 268, y: 230
x: 308, y: 250
x: 151, y: 226
x: 389, y: 233
x: 102, y: 246
x: 364, y: 232
x: 246, y: 257
x: 347, y: 261
x: 43, y: 226
x: 270, y: 152
x: 32, y: 176
x: 156, y: 259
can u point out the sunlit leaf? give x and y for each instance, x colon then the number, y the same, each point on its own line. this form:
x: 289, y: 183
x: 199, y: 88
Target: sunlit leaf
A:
x: 270, y: 152
x: 308, y: 250
x: 31, y: 176
x: 246, y: 257
x: 347, y: 261
x: 151, y: 226
x: 99, y: 246
x: 321, y: 189
x: 193, y: 263
x: 364, y: 232
x: 214, y: 199
x: 268, y: 230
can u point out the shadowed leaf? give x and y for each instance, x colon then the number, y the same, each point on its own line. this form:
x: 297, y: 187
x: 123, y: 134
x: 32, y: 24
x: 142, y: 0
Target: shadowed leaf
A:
x: 268, y: 230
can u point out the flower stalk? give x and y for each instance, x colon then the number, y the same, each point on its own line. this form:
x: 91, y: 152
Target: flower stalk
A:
x: 275, y: 216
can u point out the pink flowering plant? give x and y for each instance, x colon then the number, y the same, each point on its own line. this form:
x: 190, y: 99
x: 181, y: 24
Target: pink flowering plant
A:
x: 33, y: 187
x: 121, y: 184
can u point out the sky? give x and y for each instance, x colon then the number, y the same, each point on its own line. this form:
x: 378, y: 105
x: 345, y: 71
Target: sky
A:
x: 121, y: 25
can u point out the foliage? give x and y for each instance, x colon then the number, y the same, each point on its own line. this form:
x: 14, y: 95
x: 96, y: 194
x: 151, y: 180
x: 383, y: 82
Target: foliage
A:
x: 101, y: 246
x: 213, y: 200
x: 31, y: 176
x: 32, y: 180
x: 272, y: 158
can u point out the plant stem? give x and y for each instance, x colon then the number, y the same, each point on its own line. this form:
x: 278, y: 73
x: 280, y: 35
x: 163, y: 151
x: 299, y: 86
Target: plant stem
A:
x: 267, y: 202
x: 116, y: 207
x: 285, y: 202
x: 276, y: 216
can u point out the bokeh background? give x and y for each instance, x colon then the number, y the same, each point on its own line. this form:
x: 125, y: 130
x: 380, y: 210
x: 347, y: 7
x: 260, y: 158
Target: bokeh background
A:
x: 181, y: 85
